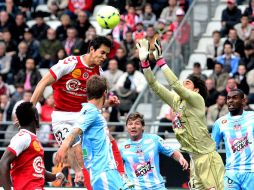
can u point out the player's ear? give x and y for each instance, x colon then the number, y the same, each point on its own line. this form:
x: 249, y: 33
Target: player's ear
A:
x: 91, y: 49
x: 196, y: 90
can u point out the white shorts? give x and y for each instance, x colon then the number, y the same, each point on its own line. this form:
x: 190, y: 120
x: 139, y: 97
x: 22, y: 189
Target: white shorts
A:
x: 62, y: 124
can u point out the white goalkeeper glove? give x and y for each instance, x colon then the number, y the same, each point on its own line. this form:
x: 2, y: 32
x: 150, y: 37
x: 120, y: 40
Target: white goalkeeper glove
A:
x: 143, y: 49
x: 158, y: 50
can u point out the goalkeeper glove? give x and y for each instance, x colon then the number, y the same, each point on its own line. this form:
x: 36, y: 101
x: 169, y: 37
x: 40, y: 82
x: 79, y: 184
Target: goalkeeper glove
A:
x: 143, y: 47
x: 158, y: 54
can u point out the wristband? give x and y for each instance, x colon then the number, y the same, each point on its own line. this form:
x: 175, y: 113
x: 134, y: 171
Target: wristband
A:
x: 145, y: 64
x: 161, y: 62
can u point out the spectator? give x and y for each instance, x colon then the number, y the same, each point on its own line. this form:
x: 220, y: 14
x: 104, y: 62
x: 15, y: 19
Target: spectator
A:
x: 75, y: 7
x: 248, y: 60
x: 231, y: 84
x: 45, y: 129
x: 131, y: 18
x: 240, y: 78
x: 139, y: 33
x: 18, y: 60
x: 6, y: 107
x: 137, y: 4
x: 219, y: 76
x: 197, y: 71
x: 249, y: 11
x: 3, y: 127
x: 169, y: 12
x: 18, y: 93
x: 18, y: 28
x: 60, y: 55
x: 57, y: 5
x: 161, y: 28
x: 49, y: 48
x: 30, y: 76
x: 183, y: 36
x: 121, y: 59
x: 228, y: 59
x: 33, y: 45
x: 11, y: 8
x: 214, y: 49
x: 89, y: 35
x: 120, y: 31
x: 212, y: 93
x: 11, y: 45
x: 230, y: 17
x: 72, y: 44
x: 244, y: 28
x: 39, y: 29
x: 61, y: 31
x: 129, y: 85
x: 112, y: 74
x: 237, y: 44
x: 5, y: 61
x: 129, y: 46
x: 115, y: 46
x: 82, y: 24
x: 250, y: 81
x: 26, y: 98
x: 148, y: 17
x: 216, y: 111
x: 4, y: 89
x: 5, y: 21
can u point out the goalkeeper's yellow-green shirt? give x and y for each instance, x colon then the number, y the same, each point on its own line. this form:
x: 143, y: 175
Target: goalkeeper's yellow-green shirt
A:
x: 189, y: 124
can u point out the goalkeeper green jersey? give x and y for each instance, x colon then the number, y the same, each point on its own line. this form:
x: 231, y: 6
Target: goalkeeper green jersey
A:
x: 189, y: 123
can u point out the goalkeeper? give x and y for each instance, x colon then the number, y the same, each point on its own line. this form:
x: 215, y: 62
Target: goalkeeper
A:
x: 189, y: 124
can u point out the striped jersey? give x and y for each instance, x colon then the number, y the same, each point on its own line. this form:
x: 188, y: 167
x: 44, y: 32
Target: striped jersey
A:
x: 237, y: 133
x: 141, y: 161
x: 96, y: 145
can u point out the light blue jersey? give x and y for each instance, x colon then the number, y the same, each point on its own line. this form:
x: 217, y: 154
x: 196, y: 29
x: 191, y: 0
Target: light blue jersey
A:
x: 238, y: 135
x: 141, y: 161
x: 97, y: 151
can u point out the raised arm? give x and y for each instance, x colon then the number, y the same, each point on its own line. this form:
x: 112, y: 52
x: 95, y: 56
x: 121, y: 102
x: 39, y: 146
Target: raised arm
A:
x: 166, y: 95
x: 47, y: 80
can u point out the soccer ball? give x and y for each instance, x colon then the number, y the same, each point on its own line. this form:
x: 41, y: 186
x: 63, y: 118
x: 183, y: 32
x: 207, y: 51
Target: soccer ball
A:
x: 108, y: 17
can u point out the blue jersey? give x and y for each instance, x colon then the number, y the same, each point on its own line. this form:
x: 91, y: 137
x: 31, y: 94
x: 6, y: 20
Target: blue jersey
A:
x: 141, y: 161
x: 237, y: 133
x: 97, y: 150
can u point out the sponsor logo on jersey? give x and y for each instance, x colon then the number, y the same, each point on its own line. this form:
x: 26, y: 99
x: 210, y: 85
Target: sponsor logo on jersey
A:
x: 76, y: 73
x: 127, y: 146
x: 73, y: 85
x: 238, y: 144
x: 143, y: 169
x: 237, y: 127
x: 36, y: 146
x: 85, y: 75
x: 38, y: 165
x: 177, y: 123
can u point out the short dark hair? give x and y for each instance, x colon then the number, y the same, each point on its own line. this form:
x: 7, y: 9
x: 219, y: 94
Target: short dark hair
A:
x: 134, y: 116
x: 26, y: 113
x: 98, y: 41
x: 196, y: 65
x: 200, y: 84
x: 240, y: 92
x: 95, y: 87
x: 228, y: 43
x: 216, y: 32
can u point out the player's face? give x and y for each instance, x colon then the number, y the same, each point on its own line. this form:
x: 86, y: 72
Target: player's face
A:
x: 135, y: 129
x: 187, y: 83
x: 234, y: 101
x: 100, y: 55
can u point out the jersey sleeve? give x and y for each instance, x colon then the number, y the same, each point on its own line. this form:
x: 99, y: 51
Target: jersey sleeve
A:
x: 216, y: 134
x: 163, y: 147
x: 63, y: 67
x: 86, y: 119
x: 19, y: 143
x: 189, y: 96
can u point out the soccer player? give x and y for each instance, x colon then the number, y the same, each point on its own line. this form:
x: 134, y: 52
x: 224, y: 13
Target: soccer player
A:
x: 68, y: 79
x: 97, y: 151
x: 237, y: 130
x: 189, y: 124
x: 24, y: 157
x: 141, y: 155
